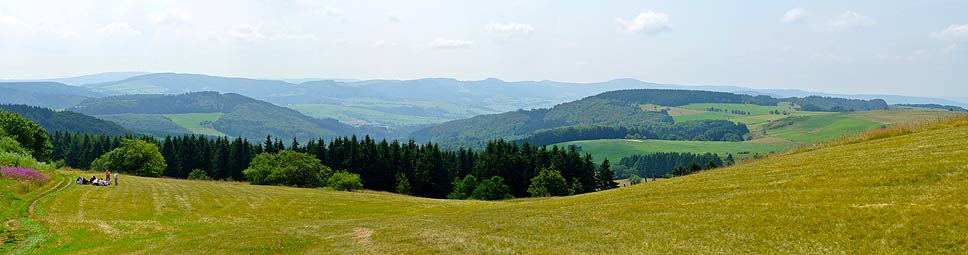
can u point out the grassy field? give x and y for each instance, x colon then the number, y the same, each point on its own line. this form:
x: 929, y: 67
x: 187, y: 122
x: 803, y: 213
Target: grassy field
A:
x: 896, y: 191
x: 193, y: 122
x: 616, y: 149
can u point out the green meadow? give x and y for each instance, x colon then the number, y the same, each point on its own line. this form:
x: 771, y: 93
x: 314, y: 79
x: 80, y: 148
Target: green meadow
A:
x: 193, y: 122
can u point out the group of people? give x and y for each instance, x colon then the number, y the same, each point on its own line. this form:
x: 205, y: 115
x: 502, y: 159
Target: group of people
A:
x: 99, y: 182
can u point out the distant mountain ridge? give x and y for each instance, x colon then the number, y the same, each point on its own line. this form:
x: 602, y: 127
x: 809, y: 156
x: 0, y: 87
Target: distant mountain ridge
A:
x: 45, y: 94
x: 240, y: 115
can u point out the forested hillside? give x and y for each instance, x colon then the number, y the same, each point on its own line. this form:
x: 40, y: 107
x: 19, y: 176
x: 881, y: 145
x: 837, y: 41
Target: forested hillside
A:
x: 66, y: 121
x: 519, y: 124
x: 241, y: 116
x: 621, y: 114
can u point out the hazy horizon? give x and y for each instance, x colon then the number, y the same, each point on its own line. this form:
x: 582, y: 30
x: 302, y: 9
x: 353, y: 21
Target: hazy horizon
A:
x: 860, y: 47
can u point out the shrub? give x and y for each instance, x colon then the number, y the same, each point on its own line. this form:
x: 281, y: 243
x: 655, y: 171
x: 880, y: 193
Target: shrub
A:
x: 343, y: 180
x: 23, y: 174
x: 635, y: 179
x: 135, y: 157
x: 8, y: 144
x: 403, y: 184
x: 198, y: 174
x: 463, y: 189
x: 31, y: 136
x: 22, y: 160
x: 548, y: 182
x: 492, y: 189
x: 287, y: 168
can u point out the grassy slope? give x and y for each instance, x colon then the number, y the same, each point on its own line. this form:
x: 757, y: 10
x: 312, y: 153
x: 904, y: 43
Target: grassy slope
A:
x: 900, y: 194
x: 192, y: 122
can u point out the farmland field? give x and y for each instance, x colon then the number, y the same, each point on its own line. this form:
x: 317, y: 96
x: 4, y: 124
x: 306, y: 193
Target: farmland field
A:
x: 193, y: 122
x: 897, y: 191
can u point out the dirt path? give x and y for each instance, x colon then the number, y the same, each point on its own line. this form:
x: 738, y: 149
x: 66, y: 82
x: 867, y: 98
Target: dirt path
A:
x: 56, y: 189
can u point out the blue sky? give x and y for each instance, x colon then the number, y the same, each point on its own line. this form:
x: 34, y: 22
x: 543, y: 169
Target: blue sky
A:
x: 917, y: 48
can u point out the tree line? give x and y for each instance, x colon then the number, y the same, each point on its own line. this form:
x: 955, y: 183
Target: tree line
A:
x: 418, y: 169
x: 698, y: 130
x: 668, y: 164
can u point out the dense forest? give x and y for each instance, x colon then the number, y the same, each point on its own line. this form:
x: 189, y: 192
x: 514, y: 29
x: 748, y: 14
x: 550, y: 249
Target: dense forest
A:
x: 669, y: 164
x: 830, y: 104
x: 937, y: 106
x: 698, y: 130
x: 475, y: 132
x: 669, y: 97
x: 428, y: 170
x: 64, y: 121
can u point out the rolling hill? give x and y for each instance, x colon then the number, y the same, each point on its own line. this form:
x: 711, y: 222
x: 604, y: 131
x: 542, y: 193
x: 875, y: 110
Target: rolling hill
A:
x: 66, y: 121
x: 44, y: 94
x: 626, y: 108
x: 408, y: 104
x: 212, y: 113
x: 899, y: 190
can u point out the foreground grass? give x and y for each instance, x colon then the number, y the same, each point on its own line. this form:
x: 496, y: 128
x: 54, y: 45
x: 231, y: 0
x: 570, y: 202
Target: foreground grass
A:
x: 897, y: 191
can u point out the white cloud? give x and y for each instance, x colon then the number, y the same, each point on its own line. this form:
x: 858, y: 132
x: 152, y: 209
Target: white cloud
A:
x: 953, y: 34
x: 170, y: 17
x: 119, y: 28
x: 648, y: 22
x: 442, y: 43
x: 246, y: 32
x: 509, y: 28
x: 7, y: 19
x: 396, y: 16
x: 794, y: 15
x: 953, y: 48
x: 851, y: 19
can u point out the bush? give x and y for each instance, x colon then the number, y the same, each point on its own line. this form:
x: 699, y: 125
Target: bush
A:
x: 403, y: 184
x: 548, y: 182
x: 287, y: 168
x: 135, y: 157
x: 31, y: 136
x: 343, y: 180
x: 11, y: 159
x: 198, y: 174
x: 8, y: 144
x: 492, y: 189
x: 635, y: 179
x: 463, y: 189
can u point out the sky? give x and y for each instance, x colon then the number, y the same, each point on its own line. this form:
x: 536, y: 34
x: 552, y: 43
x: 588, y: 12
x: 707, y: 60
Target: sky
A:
x: 914, y: 48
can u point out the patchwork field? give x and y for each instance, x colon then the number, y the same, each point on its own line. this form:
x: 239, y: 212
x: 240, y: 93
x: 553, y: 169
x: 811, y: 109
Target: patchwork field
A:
x: 894, y: 191
x: 193, y: 122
